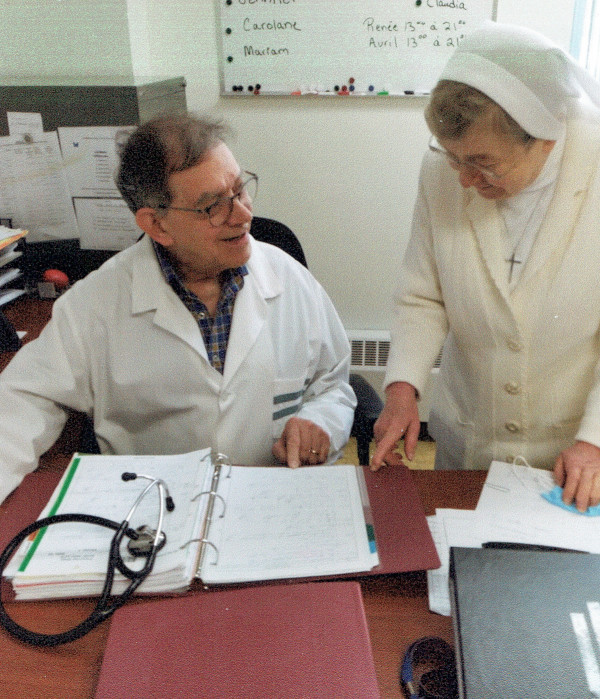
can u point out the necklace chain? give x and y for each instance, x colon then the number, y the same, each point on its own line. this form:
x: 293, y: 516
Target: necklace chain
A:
x: 512, y: 260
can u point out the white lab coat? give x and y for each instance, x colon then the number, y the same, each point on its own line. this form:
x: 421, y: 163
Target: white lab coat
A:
x: 519, y: 372
x: 123, y: 348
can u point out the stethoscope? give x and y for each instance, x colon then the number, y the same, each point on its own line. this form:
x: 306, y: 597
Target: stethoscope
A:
x: 143, y: 542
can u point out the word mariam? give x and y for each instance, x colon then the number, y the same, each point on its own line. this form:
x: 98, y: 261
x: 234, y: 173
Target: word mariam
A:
x: 268, y: 51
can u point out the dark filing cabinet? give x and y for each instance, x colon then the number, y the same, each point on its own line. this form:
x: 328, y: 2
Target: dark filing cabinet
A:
x: 118, y: 101
x: 81, y: 101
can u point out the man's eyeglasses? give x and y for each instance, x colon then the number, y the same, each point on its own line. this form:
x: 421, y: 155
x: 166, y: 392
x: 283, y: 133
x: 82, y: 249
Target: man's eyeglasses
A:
x: 220, y: 211
x: 455, y: 162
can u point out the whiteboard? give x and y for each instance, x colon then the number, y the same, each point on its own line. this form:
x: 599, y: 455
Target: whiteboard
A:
x: 333, y: 47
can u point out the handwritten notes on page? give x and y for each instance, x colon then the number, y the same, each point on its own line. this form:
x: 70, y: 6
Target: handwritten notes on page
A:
x: 254, y: 522
x: 289, y: 523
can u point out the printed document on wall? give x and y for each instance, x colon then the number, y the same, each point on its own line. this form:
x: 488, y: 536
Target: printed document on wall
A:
x: 34, y: 191
x: 24, y: 123
x: 91, y: 156
x: 105, y: 224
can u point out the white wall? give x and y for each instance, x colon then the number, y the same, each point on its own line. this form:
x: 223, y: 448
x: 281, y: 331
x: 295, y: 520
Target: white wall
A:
x: 64, y: 38
x: 341, y: 172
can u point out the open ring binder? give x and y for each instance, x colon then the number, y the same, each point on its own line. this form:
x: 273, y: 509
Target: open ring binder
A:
x: 272, y: 523
x: 279, y: 523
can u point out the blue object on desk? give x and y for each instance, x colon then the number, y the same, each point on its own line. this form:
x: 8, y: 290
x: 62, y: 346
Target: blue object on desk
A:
x: 554, y: 497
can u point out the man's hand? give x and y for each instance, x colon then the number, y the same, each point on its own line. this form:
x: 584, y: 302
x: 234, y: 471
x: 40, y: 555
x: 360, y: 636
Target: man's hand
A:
x: 302, y: 442
x: 577, y: 470
x: 400, y: 417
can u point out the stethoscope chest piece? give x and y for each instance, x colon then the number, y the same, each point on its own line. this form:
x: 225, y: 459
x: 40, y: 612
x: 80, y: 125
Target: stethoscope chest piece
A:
x: 146, y: 539
x: 143, y: 542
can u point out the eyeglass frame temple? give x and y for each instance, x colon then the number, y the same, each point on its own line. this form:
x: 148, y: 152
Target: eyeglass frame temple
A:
x: 461, y: 163
x: 252, y: 176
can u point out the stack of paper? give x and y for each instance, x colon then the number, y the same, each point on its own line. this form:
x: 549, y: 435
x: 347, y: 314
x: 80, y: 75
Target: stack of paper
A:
x: 510, y: 509
x: 70, y: 560
x: 9, y: 239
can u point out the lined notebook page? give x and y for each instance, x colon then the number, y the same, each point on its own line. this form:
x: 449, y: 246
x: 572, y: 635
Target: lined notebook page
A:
x: 287, y: 523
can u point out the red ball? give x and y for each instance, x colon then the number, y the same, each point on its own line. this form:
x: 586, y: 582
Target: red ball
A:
x: 58, y: 278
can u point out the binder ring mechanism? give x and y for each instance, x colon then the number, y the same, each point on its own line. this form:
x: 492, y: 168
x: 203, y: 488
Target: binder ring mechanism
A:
x: 219, y: 461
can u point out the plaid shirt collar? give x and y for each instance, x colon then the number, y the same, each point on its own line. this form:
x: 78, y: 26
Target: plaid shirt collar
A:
x: 215, y: 331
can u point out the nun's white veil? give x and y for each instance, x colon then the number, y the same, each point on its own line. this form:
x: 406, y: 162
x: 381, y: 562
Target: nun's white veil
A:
x: 531, y: 78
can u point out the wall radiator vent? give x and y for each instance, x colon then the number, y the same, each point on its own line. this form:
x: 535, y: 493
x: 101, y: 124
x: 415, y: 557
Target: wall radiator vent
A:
x: 370, y: 349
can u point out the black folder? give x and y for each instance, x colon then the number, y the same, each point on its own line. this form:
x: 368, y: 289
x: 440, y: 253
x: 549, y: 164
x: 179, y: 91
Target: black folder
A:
x: 515, y: 617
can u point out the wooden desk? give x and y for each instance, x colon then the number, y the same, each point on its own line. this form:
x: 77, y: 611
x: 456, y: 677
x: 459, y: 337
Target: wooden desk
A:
x: 28, y: 314
x: 396, y: 605
x: 396, y: 608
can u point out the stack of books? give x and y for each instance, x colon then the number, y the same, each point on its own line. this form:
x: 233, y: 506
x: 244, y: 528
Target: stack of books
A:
x: 9, y: 241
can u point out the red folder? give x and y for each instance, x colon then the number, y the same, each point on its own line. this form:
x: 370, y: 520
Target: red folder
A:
x: 25, y: 503
x: 306, y: 640
x: 402, y: 534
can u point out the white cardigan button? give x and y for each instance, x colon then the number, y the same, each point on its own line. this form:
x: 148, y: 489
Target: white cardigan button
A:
x: 514, y: 345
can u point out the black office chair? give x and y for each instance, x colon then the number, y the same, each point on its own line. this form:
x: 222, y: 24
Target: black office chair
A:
x: 368, y: 407
x: 369, y: 404
x: 268, y: 230
x: 9, y: 340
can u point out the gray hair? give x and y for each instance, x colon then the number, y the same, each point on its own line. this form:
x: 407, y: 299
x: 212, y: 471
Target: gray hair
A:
x: 454, y: 107
x: 158, y: 148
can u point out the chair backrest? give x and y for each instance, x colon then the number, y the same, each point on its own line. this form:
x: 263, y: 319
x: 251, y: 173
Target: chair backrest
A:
x: 268, y: 230
x: 369, y: 403
x: 9, y: 340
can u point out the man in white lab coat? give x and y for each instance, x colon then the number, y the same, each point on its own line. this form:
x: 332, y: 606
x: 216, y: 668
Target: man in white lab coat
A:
x: 196, y: 336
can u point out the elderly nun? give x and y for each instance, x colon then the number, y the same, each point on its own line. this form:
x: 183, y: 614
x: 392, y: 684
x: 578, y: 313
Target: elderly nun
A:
x: 502, y: 268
